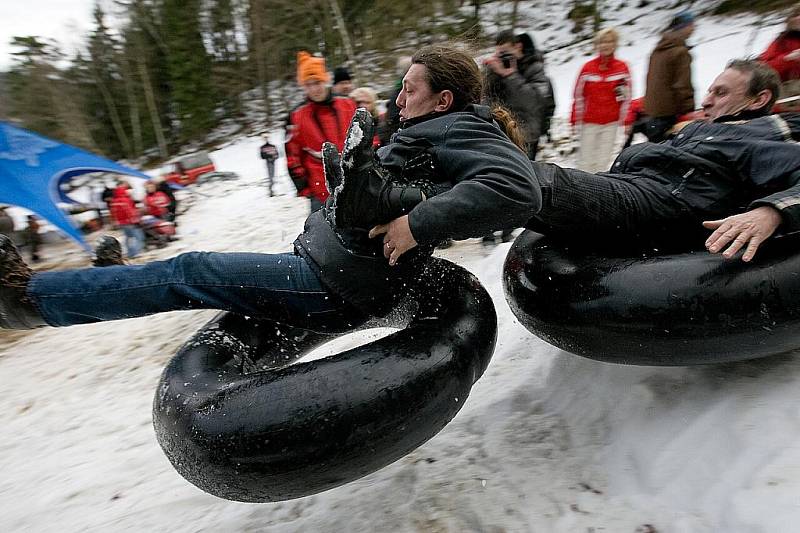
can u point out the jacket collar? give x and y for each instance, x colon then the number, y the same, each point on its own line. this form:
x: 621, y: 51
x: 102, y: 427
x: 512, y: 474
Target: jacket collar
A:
x: 481, y: 111
x: 745, y: 114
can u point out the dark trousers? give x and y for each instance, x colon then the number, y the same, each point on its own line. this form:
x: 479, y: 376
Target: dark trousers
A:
x: 590, y: 207
x: 270, y: 174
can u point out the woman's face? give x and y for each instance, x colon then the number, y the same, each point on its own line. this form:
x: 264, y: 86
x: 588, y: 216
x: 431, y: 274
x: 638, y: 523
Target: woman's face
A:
x: 606, y: 46
x: 416, y: 99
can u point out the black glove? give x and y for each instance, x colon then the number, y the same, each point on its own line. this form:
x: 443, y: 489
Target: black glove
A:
x: 299, y: 178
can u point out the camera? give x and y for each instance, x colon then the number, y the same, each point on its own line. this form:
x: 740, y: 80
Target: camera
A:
x: 507, y: 59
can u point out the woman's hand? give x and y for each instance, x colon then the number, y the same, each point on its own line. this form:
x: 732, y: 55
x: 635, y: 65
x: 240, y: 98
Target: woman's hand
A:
x: 750, y: 228
x: 397, y: 238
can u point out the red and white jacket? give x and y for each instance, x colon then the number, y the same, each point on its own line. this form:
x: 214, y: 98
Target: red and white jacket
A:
x: 602, y: 92
x: 157, y: 204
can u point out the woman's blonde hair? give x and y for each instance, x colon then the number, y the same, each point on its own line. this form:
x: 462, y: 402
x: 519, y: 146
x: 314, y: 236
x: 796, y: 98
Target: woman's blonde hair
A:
x: 604, y: 33
x: 366, y: 94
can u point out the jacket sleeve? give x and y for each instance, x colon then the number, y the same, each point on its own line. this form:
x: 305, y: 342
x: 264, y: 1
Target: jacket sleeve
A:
x: 775, y: 166
x: 682, y: 84
x: 628, y: 97
x: 495, y: 187
x: 524, y: 101
x: 293, y: 146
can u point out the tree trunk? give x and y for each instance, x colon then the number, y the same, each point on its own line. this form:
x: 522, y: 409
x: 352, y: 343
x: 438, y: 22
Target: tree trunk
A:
x: 258, y: 49
x: 112, y: 111
x: 152, y: 109
x: 348, y: 48
x: 133, y: 107
x: 514, y: 9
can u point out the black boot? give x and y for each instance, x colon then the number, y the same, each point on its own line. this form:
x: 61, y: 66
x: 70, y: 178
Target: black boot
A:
x: 366, y: 197
x: 107, y: 252
x: 16, y: 309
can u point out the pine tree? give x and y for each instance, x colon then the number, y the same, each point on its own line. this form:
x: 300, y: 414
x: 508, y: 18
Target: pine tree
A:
x: 189, y: 65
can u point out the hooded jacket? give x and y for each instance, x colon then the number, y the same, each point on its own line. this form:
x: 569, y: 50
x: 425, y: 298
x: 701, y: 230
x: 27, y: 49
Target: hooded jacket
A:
x: 479, y: 182
x: 669, y: 79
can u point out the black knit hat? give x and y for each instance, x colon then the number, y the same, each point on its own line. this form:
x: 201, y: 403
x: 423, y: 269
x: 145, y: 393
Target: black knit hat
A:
x: 340, y: 74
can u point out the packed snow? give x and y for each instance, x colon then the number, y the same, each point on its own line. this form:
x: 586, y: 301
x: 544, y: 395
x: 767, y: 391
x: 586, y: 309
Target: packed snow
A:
x: 547, y: 441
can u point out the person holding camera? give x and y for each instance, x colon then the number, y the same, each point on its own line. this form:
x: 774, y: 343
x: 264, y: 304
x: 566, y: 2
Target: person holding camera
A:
x: 600, y: 106
x: 516, y: 80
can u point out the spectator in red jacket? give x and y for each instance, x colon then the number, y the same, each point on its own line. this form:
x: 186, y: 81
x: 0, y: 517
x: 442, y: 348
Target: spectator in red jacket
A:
x: 125, y: 215
x: 156, y: 202
x: 323, y: 117
x: 600, y: 105
x: 783, y: 55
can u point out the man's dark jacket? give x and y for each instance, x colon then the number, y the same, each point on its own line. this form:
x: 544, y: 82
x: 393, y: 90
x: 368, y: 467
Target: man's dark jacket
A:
x: 719, y: 169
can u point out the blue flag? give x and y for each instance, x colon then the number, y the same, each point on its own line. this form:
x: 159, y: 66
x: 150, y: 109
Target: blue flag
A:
x: 33, y: 167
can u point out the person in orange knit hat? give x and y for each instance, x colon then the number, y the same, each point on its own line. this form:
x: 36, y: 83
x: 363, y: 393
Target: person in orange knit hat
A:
x: 322, y: 117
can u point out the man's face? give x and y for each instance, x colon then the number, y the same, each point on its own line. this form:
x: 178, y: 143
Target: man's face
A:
x: 343, y: 87
x: 416, y: 98
x: 727, y: 95
x: 509, y: 48
x: 315, y: 90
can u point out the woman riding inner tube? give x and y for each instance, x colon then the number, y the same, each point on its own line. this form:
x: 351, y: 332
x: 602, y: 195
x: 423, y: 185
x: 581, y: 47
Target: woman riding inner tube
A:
x: 452, y: 171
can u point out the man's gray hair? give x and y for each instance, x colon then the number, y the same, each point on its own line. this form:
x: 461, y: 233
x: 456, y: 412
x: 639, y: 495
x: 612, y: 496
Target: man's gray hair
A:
x: 762, y: 77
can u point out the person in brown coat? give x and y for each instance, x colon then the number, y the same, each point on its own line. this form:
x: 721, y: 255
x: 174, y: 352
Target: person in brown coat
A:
x: 669, y: 92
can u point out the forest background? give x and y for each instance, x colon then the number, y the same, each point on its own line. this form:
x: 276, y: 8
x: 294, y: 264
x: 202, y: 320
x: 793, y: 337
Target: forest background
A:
x: 176, y: 73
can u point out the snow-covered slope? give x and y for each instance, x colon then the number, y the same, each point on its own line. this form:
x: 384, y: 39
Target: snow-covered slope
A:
x: 547, y: 441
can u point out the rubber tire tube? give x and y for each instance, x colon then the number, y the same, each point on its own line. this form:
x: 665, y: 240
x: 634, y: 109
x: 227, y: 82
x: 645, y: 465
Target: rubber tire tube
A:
x: 654, y: 308
x: 239, y: 421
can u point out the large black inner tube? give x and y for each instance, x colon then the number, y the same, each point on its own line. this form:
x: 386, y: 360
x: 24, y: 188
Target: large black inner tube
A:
x: 239, y: 421
x: 656, y: 308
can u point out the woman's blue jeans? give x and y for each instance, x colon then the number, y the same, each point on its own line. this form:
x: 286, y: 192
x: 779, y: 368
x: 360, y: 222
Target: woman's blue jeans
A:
x: 280, y: 287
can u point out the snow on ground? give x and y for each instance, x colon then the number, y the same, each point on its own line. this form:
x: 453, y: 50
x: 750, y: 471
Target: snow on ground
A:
x: 547, y: 441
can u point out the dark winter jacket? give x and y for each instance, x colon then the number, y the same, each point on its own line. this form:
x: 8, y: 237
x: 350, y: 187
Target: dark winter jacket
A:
x: 719, y: 169
x: 269, y: 152
x: 479, y: 182
x: 312, y: 124
x: 527, y: 93
x: 775, y: 55
x: 669, y: 91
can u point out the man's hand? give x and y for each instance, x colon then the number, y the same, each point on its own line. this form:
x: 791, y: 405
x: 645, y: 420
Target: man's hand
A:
x: 750, y: 228
x: 496, y: 64
x: 397, y: 238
